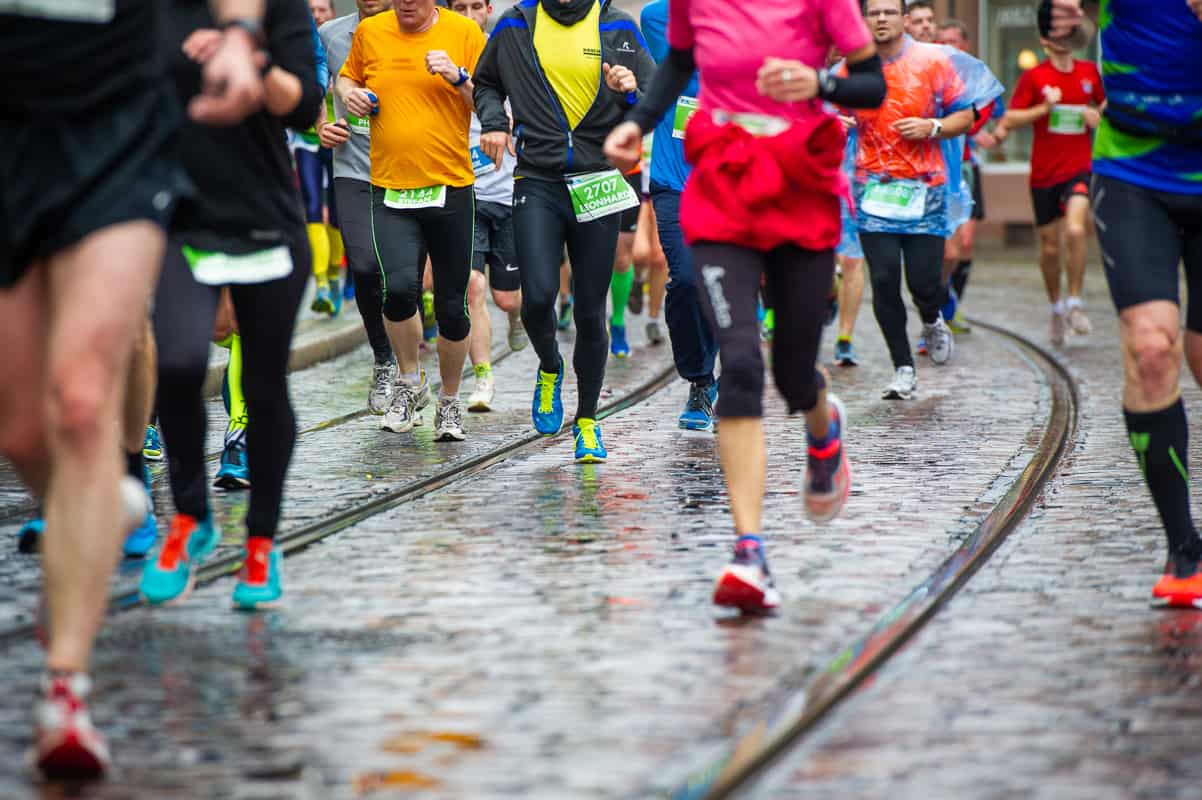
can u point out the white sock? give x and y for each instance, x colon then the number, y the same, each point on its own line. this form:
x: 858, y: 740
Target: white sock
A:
x: 443, y: 396
x: 1058, y: 307
x: 1073, y: 302
x: 411, y: 378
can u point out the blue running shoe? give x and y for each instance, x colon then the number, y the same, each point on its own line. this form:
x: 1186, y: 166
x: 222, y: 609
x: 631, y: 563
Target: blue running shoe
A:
x: 953, y: 302
x: 142, y: 538
x: 152, y: 444
x: 547, y: 407
x: 260, y: 582
x: 29, y: 535
x: 171, y: 574
x: 699, y: 410
x: 828, y: 475
x: 348, y: 291
x: 589, y: 447
x: 322, y: 302
x: 335, y: 297
x: 617, y: 341
x: 845, y: 353
x: 746, y: 583
x: 234, y: 473
x: 564, y: 320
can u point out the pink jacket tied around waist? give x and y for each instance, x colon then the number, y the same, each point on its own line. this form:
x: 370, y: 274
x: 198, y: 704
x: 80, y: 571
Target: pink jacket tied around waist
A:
x: 764, y: 192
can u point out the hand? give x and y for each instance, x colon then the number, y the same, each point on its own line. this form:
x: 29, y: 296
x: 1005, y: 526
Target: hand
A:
x: 786, y: 81
x: 986, y: 140
x: 495, y: 145
x: 333, y: 134
x: 1052, y: 95
x: 232, y: 87
x: 1066, y: 16
x: 1196, y: 7
x: 439, y: 63
x: 358, y: 103
x: 914, y: 128
x: 1001, y: 132
x: 624, y: 146
x: 1093, y: 117
x: 202, y: 44
x: 849, y: 122
x: 620, y: 79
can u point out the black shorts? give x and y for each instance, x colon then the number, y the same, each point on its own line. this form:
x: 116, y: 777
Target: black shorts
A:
x: 62, y: 179
x: 495, y: 247
x: 629, y: 222
x: 1049, y: 202
x: 1144, y: 235
x: 978, y: 196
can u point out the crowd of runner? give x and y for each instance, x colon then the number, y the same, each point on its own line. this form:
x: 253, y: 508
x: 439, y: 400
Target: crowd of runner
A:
x: 735, y: 169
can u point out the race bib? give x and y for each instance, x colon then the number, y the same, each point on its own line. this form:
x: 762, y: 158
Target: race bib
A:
x: 409, y: 199
x: 1067, y: 120
x: 219, y: 269
x: 481, y: 164
x: 599, y: 194
x: 98, y: 11
x: 903, y: 201
x: 359, y: 125
x: 755, y: 124
x: 307, y: 140
x: 685, y: 108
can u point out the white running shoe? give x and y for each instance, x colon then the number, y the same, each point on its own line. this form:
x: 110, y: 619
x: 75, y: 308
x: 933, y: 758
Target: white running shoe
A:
x: 1078, y: 323
x: 905, y: 381
x: 1059, y: 323
x: 404, y: 412
x: 380, y: 394
x: 65, y: 743
x: 448, y: 420
x: 482, y: 396
x: 940, y: 342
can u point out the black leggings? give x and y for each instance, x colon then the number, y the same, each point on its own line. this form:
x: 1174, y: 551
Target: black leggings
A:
x: 798, y: 281
x: 924, y: 275
x: 402, y: 241
x: 543, y: 222
x: 354, y: 197
x: 183, y: 326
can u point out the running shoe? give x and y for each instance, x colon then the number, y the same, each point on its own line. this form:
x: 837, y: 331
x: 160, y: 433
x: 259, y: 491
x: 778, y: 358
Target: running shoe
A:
x: 940, y: 341
x: 29, y: 535
x: 141, y: 539
x: 1078, y: 323
x: 589, y: 447
x: 952, y: 306
x: 322, y: 302
x: 845, y: 353
x: 617, y: 341
x: 380, y: 394
x: 429, y: 319
x: 483, y: 393
x: 234, y: 472
x: 518, y: 338
x: 448, y: 420
x: 698, y: 414
x: 746, y: 583
x: 171, y: 573
x: 404, y: 412
x: 655, y: 334
x: 905, y: 381
x: 260, y: 581
x: 546, y: 408
x: 335, y: 297
x: 1057, y: 327
x: 1180, y: 586
x: 921, y: 347
x: 768, y: 325
x: 66, y: 746
x: 348, y: 291
x: 152, y: 444
x: 565, y: 314
x: 635, y: 302
x: 958, y: 324
x: 828, y: 475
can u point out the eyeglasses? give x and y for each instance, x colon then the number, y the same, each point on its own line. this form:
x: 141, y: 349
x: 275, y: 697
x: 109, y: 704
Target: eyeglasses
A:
x: 883, y: 12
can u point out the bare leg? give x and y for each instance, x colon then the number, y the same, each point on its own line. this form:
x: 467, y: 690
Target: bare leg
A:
x: 1049, y: 259
x: 451, y: 356
x: 744, y: 464
x: 1075, y: 215
x: 481, y: 335
x: 139, y: 393
x: 406, y: 339
x: 851, y: 293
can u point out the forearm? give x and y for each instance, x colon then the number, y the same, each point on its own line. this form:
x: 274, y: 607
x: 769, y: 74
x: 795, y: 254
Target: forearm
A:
x: 282, y: 92
x: 1021, y: 117
x: 344, y: 86
x: 956, y: 124
x: 236, y: 9
x: 466, y: 94
x: 670, y: 80
x: 863, y: 87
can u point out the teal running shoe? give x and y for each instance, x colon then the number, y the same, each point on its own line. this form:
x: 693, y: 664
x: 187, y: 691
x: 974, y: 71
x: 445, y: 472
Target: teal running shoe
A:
x: 152, y: 444
x: 29, y: 535
x: 171, y: 574
x: 335, y: 297
x: 322, y: 302
x: 698, y: 412
x: 260, y: 582
x: 617, y: 341
x: 589, y: 447
x: 546, y: 409
x: 142, y: 538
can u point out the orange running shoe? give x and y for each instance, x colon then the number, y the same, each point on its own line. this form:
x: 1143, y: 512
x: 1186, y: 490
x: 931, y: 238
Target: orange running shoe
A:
x: 1174, y: 590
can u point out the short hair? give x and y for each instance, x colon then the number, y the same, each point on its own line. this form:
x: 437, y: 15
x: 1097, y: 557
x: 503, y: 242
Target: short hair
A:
x: 864, y: 6
x: 913, y: 4
x: 955, y: 24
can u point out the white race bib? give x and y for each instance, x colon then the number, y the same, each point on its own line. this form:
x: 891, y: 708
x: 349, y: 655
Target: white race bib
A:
x: 98, y: 11
x: 409, y: 199
x: 685, y: 108
x: 219, y: 269
x: 599, y: 194
x: 755, y: 124
x: 902, y: 200
x: 359, y: 125
x: 1067, y: 120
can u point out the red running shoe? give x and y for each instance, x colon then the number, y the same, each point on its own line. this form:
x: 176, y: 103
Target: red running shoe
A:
x: 66, y: 745
x: 1179, y: 587
x: 746, y: 583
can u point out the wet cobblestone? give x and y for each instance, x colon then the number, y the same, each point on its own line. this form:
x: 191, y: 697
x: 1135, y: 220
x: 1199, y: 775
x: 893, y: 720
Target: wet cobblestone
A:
x: 541, y: 629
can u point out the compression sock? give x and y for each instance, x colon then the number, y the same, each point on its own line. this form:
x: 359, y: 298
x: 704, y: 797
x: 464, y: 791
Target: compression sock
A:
x: 319, y: 244
x: 238, y: 413
x: 619, y: 292
x: 960, y: 277
x: 1161, y: 443
x: 337, y: 250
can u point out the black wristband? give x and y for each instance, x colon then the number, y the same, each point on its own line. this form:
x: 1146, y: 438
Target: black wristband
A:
x: 252, y: 27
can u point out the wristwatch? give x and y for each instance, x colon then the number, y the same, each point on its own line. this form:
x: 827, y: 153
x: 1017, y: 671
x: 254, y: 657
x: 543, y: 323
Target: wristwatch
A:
x: 827, y: 84
x: 936, y: 129
x: 464, y: 77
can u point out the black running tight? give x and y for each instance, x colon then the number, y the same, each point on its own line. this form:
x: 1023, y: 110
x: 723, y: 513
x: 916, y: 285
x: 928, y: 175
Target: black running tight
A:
x: 183, y: 326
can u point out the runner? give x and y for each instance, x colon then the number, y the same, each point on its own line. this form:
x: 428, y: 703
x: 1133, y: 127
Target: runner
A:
x: 621, y: 286
x: 765, y: 114
x: 255, y: 244
x: 494, y: 248
x: 1147, y: 196
x: 694, y: 346
x: 323, y: 12
x: 422, y: 198
x: 570, y: 70
x: 86, y: 189
x: 314, y: 170
x: 1061, y: 98
x: 900, y: 187
x: 920, y: 20
x: 851, y: 262
x: 349, y: 139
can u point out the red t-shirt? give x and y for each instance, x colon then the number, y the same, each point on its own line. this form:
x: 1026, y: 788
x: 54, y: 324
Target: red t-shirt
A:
x: 1062, y: 141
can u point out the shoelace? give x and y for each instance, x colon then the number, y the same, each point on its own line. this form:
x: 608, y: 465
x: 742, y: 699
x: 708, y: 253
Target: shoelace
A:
x: 451, y: 415
x: 381, y: 378
x: 588, y: 437
x: 546, y: 391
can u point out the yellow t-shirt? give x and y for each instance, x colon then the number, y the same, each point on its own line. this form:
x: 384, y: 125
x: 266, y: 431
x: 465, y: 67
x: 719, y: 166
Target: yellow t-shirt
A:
x: 420, y: 136
x: 571, y: 59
